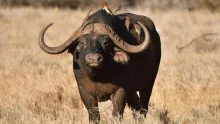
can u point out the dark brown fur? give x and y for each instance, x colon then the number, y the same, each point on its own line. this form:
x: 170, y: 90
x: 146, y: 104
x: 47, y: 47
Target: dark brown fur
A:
x: 118, y: 82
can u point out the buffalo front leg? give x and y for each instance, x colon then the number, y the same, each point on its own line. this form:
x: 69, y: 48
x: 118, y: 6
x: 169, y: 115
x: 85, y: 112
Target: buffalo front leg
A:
x: 145, y: 94
x: 118, y: 101
x: 91, y: 104
x: 134, y: 103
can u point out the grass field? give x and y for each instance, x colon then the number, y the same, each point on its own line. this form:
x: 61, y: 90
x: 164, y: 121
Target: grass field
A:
x: 36, y: 87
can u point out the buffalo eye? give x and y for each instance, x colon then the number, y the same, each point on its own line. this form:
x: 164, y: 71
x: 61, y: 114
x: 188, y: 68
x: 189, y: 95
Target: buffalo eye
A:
x: 78, y: 48
x: 80, y: 45
x: 105, y: 43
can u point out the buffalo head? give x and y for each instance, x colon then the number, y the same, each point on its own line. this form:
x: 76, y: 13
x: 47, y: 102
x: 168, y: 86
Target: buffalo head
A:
x: 94, y: 49
x: 96, y: 39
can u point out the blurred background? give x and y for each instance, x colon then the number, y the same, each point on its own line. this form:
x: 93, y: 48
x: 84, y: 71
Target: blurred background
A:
x: 212, y: 5
x: 38, y: 88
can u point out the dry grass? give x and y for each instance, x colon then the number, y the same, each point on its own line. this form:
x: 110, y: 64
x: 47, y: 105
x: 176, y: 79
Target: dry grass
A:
x: 39, y: 88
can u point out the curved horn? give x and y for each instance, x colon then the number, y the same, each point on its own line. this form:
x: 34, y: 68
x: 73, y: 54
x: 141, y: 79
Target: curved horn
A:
x: 104, y: 29
x: 59, y: 49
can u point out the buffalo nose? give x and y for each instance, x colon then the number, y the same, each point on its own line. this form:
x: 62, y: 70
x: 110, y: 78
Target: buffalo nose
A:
x: 94, y: 59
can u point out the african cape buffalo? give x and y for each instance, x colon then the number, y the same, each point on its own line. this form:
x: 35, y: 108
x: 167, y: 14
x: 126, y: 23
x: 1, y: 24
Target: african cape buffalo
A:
x: 114, y: 56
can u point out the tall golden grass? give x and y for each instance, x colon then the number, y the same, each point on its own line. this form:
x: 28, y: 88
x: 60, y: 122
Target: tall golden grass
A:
x: 39, y: 88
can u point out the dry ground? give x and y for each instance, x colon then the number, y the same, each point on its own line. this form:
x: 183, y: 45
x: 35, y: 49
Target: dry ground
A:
x: 39, y: 88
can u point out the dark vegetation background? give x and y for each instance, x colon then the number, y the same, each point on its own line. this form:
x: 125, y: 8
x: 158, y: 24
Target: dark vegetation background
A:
x: 212, y: 5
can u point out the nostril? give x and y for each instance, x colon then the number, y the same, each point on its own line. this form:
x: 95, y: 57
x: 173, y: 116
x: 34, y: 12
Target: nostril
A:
x: 94, y: 58
x: 100, y: 58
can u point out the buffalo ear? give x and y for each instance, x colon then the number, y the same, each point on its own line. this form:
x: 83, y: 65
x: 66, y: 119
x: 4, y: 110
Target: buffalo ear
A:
x: 121, y: 57
x: 73, y: 48
x: 71, y: 51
